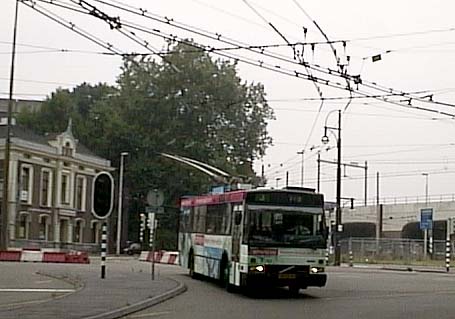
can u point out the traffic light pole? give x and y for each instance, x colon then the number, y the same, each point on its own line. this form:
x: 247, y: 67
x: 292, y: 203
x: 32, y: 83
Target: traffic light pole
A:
x: 103, y: 250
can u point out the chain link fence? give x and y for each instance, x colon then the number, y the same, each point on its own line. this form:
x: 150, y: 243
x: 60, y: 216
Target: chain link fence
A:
x: 394, y: 251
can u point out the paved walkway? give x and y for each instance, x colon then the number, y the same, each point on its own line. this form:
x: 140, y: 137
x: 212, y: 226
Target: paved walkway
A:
x: 77, y: 291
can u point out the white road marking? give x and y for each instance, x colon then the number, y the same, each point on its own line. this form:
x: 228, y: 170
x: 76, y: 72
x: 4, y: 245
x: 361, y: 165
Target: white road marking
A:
x: 153, y: 314
x: 43, y: 281
x: 48, y: 290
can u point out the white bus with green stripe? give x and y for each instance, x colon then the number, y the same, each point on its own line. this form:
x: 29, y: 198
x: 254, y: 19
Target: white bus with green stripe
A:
x: 260, y: 237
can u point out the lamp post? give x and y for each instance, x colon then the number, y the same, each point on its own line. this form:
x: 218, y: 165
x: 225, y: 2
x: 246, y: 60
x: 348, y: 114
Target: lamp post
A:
x: 301, y: 171
x: 426, y: 187
x: 4, y: 220
x: 427, y: 232
x: 338, y: 225
x: 120, y: 198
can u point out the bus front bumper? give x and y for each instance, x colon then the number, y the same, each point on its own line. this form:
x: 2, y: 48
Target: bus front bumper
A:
x: 297, y: 277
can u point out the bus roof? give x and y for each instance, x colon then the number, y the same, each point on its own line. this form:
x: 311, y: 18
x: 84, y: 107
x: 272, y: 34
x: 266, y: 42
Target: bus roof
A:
x: 234, y: 196
x: 212, y: 199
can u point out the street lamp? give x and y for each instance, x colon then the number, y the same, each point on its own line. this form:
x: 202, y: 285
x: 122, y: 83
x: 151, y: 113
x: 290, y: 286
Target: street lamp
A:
x: 301, y: 172
x: 120, y: 197
x: 338, y: 225
x: 426, y: 187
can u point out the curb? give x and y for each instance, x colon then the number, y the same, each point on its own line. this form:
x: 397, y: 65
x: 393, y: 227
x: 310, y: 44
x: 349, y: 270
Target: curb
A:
x: 397, y: 268
x: 121, y: 312
x: 438, y: 271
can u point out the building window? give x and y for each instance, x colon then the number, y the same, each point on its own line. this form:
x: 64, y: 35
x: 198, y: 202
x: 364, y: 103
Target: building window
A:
x: 65, y: 189
x: 46, y: 187
x: 79, y: 231
x: 26, y: 183
x: 81, y: 190
x: 64, y: 233
x: 44, y: 228
x: 67, y: 150
x: 95, y: 232
x: 24, y: 226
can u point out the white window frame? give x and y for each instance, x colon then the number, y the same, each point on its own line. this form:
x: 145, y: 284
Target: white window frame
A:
x: 49, y: 190
x: 67, y: 191
x: 29, y: 190
x: 83, y: 207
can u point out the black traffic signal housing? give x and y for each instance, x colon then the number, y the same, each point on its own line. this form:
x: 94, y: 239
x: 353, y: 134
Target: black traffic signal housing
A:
x: 103, y: 195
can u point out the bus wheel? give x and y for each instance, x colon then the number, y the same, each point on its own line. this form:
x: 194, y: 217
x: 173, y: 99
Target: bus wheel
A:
x: 294, y: 290
x: 224, y: 272
x: 191, y: 266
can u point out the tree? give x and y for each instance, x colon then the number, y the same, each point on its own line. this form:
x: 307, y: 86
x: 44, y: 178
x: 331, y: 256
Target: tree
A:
x: 189, y: 105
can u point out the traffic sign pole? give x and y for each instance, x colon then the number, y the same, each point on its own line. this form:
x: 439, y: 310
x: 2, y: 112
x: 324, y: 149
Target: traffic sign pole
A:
x: 425, y: 239
x: 426, y: 223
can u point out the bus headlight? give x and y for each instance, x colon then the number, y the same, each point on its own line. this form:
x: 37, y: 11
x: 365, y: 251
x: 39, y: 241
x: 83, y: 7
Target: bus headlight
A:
x: 259, y: 268
x: 315, y: 270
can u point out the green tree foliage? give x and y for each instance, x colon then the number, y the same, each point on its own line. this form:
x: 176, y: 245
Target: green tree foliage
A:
x: 190, y: 105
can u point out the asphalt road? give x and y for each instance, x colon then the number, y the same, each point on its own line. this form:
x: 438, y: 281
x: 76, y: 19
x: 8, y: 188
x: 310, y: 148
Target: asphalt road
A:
x: 350, y: 293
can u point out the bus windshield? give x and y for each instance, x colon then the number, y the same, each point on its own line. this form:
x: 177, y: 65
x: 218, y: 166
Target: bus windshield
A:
x: 268, y: 227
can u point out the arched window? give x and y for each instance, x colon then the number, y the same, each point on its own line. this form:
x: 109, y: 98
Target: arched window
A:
x: 79, y: 231
x: 23, y: 231
x: 64, y: 230
x: 67, y: 149
x: 44, y: 223
x: 96, y: 230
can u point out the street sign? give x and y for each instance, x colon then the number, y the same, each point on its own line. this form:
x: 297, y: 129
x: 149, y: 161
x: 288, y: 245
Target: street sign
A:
x: 426, y: 218
x: 103, y: 195
x: 155, y: 198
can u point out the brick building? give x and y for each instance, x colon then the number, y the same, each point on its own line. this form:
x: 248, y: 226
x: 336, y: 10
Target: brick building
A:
x: 50, y: 190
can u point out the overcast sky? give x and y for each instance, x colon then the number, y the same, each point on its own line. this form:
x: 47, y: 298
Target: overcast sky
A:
x: 416, y: 41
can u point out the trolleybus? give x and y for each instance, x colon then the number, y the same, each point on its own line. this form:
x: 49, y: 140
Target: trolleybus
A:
x: 273, y: 237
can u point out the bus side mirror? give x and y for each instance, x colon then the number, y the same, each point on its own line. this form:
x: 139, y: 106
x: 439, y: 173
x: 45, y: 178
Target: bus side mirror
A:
x: 238, y: 218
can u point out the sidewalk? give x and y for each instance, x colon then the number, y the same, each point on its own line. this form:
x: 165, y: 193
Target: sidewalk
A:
x: 127, y: 288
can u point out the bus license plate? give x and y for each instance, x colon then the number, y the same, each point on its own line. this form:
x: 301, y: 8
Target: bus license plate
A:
x: 286, y: 276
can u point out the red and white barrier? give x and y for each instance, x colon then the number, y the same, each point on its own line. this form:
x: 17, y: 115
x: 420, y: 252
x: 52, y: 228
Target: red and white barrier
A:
x: 161, y: 257
x: 36, y: 255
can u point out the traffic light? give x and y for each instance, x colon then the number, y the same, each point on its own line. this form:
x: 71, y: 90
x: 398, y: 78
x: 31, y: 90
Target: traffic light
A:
x: 103, y: 195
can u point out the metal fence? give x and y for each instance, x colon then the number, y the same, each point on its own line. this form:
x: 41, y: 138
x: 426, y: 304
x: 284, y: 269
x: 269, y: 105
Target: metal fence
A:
x: 401, y: 251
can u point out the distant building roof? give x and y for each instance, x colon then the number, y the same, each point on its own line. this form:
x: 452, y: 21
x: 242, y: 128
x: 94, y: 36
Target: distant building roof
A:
x: 28, y: 135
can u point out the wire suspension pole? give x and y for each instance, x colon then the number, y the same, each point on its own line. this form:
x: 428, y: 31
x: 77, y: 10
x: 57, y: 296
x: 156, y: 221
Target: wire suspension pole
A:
x: 338, y: 199
x: 448, y: 230
x: 4, y: 236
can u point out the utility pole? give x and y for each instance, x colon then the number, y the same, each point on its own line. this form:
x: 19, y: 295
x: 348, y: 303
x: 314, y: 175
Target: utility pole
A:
x: 120, y: 205
x: 338, y: 200
x: 319, y: 172
x: 4, y: 236
x: 378, y: 211
x: 366, y: 183
x: 338, y: 224
x: 302, y: 152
